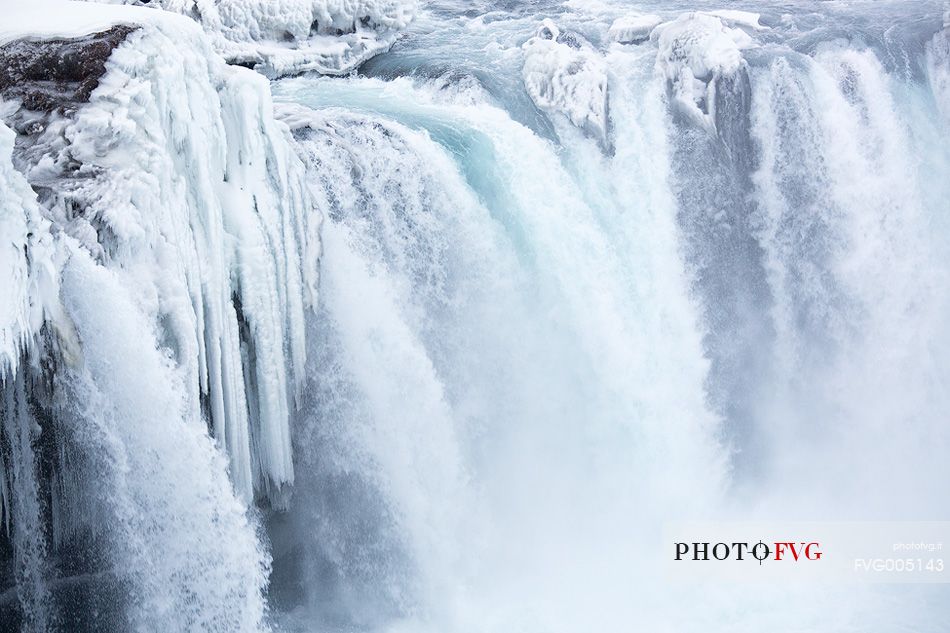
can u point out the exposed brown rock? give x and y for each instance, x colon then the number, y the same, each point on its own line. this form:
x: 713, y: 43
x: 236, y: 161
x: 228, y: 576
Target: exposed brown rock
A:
x: 57, y: 74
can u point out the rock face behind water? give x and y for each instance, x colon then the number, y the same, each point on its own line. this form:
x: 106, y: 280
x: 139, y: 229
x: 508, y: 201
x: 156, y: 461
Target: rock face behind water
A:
x: 57, y: 74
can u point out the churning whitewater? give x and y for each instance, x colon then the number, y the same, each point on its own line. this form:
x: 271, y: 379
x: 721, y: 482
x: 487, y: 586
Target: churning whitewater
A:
x: 427, y: 317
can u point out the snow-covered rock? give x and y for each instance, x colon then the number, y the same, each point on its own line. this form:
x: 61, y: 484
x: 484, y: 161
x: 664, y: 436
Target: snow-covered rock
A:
x: 172, y: 172
x: 694, y: 52
x: 279, y: 37
x: 734, y: 18
x: 633, y: 28
x: 57, y: 74
x: 565, y: 75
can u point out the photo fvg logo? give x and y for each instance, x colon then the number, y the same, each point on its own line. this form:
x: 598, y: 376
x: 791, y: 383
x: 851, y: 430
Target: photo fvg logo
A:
x: 816, y: 551
x: 794, y: 551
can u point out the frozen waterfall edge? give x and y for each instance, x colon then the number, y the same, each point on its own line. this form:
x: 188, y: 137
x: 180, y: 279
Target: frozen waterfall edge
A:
x: 165, y: 179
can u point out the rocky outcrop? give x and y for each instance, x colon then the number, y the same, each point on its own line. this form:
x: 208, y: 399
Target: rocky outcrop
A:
x: 566, y: 77
x: 58, y: 74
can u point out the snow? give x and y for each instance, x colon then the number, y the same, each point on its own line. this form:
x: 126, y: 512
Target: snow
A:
x: 565, y: 75
x: 693, y: 52
x: 633, y: 28
x: 60, y: 19
x: 280, y: 37
x: 195, y: 197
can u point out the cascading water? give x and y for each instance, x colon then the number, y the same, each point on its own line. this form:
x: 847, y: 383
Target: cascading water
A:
x: 583, y: 271
x: 477, y: 332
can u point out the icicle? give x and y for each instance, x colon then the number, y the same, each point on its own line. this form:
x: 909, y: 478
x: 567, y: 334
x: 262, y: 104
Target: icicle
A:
x: 26, y: 261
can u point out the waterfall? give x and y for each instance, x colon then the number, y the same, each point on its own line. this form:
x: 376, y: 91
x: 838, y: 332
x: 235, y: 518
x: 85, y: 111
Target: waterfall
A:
x: 849, y: 221
x: 459, y: 348
x: 443, y: 344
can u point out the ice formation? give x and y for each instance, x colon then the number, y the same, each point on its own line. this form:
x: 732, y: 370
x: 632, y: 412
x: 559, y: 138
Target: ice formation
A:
x: 159, y: 256
x: 633, y: 28
x: 292, y: 36
x: 736, y: 18
x: 564, y: 74
x: 695, y: 51
x: 175, y: 175
x: 27, y: 270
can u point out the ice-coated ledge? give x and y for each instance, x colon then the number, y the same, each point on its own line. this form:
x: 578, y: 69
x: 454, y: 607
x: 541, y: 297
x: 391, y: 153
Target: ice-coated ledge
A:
x: 694, y: 51
x: 633, y: 28
x: 282, y: 37
x: 565, y: 75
